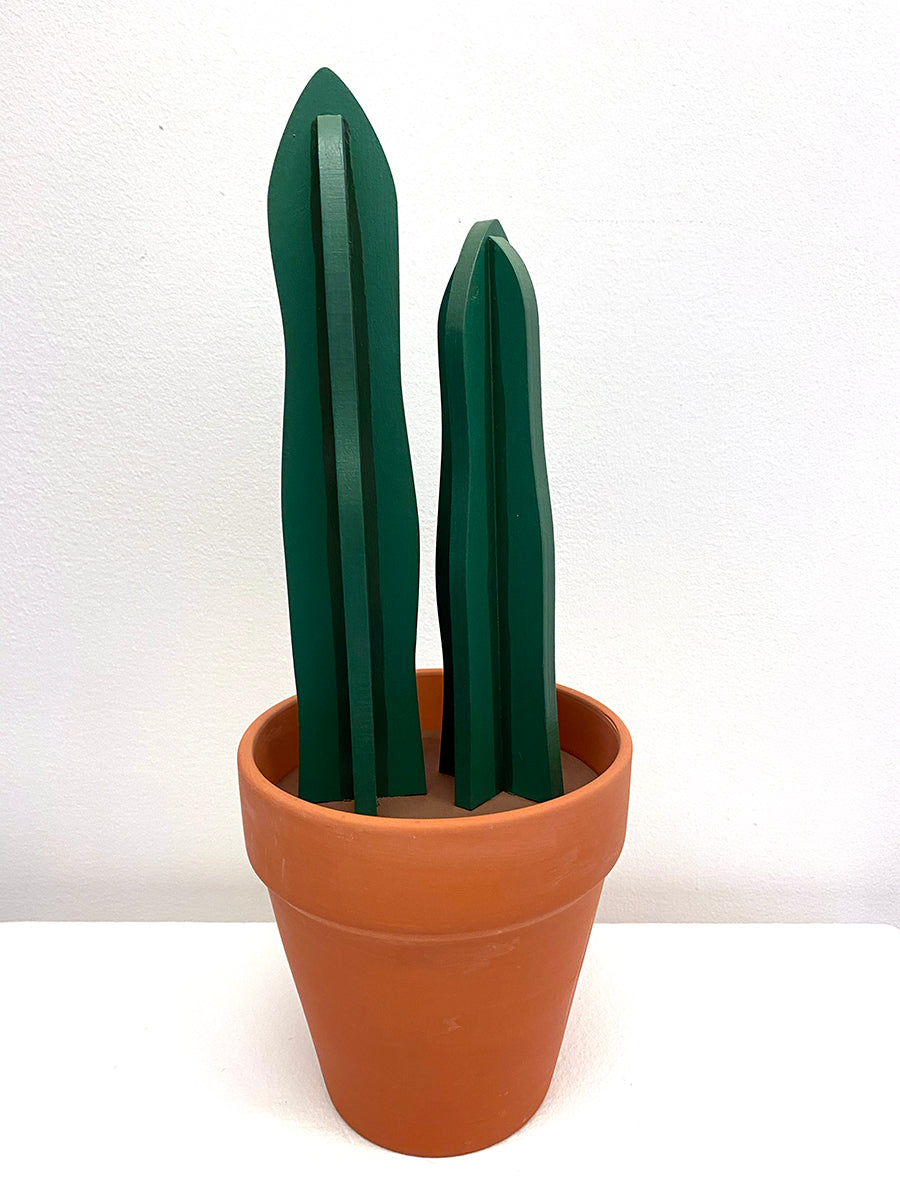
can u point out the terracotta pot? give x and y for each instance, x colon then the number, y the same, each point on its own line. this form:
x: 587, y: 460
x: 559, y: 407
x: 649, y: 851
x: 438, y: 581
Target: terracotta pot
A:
x: 436, y: 960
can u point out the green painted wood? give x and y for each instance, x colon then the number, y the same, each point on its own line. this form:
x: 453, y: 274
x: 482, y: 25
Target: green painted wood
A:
x: 495, y: 570
x: 525, y: 532
x: 466, y: 573
x: 344, y: 366
x: 442, y: 547
x: 349, y: 515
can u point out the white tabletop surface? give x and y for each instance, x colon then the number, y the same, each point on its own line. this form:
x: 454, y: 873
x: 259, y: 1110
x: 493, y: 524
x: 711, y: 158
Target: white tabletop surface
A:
x: 724, y: 1061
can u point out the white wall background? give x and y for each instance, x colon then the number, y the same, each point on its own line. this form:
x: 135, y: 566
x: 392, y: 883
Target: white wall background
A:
x: 707, y: 198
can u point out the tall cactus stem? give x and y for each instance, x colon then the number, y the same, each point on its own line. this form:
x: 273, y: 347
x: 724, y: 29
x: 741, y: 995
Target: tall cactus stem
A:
x: 348, y: 505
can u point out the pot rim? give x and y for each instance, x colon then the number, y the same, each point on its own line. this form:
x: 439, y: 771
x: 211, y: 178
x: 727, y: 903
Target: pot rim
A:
x: 429, y: 826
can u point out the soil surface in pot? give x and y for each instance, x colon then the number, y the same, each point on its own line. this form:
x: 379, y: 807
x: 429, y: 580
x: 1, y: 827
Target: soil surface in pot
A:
x: 438, y: 799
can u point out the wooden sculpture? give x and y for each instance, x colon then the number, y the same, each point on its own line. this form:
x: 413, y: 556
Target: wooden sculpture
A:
x: 435, y: 959
x: 495, y: 584
x: 351, y: 535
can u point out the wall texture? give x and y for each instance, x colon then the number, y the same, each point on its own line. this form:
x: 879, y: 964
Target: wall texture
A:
x: 706, y: 196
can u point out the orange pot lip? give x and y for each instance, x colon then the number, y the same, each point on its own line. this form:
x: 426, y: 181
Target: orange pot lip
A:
x: 429, y: 826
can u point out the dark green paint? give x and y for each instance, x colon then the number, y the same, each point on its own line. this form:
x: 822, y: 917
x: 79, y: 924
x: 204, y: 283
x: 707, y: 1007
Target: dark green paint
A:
x: 349, y: 518
x: 495, y: 574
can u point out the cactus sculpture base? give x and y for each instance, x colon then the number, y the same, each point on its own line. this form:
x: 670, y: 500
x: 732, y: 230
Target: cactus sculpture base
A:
x: 436, y: 960
x: 438, y: 803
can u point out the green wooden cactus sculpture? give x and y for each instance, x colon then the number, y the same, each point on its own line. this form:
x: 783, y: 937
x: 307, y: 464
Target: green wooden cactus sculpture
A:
x: 350, y: 526
x: 495, y: 583
x: 351, y: 535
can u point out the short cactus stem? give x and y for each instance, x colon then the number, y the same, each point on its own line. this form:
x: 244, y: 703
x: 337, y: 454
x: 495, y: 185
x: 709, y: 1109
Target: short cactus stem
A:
x: 495, y: 581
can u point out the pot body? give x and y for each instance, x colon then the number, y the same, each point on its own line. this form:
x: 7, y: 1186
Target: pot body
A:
x: 436, y: 960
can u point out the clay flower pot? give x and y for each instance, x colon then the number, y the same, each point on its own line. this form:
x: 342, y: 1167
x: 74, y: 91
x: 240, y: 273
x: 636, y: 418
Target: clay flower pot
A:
x: 436, y: 960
